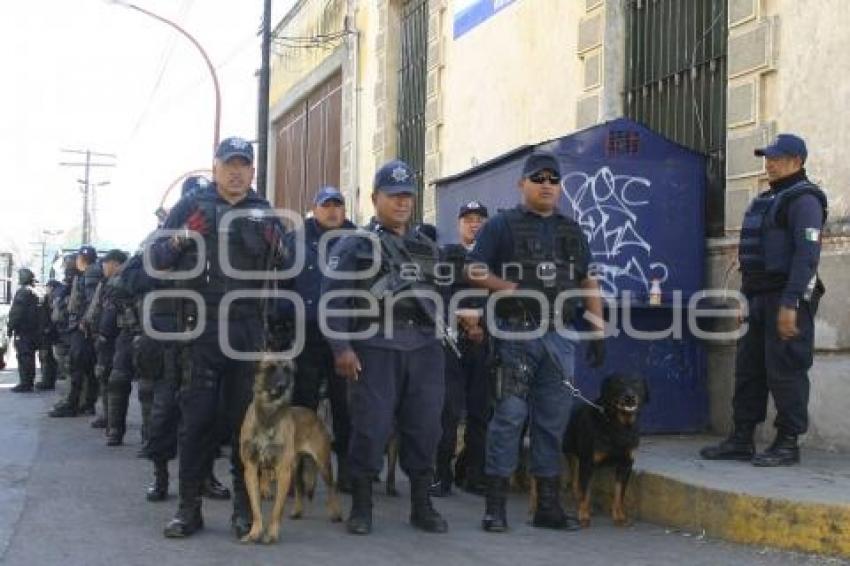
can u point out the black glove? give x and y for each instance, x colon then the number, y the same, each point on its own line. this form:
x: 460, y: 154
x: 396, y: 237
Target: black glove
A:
x: 595, y: 354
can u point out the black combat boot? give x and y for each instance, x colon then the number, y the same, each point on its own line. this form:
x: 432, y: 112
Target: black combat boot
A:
x: 100, y: 421
x: 442, y: 484
x: 360, y: 519
x: 549, y: 513
x: 423, y: 516
x: 45, y: 385
x: 738, y: 446
x: 116, y: 420
x: 158, y: 490
x: 68, y: 407
x: 783, y: 452
x: 26, y: 373
x: 495, y: 514
x: 188, y: 519
x: 240, y: 520
x: 214, y: 489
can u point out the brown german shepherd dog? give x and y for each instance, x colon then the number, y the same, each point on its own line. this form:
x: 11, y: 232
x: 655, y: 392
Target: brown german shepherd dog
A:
x: 277, y: 442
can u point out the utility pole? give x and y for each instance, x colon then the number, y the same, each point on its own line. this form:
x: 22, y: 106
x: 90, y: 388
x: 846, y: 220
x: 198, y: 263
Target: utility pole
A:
x: 263, y: 103
x: 87, y: 164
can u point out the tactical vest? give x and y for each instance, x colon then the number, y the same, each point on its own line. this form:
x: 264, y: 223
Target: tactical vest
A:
x: 407, y: 264
x: 59, y: 310
x: 76, y: 301
x: 247, y: 251
x: 766, y: 244
x: 455, y: 255
x: 548, y: 267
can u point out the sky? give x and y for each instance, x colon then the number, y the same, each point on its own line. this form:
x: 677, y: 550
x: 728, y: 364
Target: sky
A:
x: 93, y: 74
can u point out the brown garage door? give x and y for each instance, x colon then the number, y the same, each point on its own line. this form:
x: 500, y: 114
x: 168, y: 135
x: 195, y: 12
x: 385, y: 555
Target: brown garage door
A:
x: 308, y: 146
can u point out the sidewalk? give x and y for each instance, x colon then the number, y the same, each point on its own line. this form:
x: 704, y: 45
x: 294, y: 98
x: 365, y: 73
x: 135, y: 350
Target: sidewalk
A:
x: 805, y: 507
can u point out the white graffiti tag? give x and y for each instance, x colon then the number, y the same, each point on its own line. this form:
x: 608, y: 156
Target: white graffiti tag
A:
x: 604, y: 206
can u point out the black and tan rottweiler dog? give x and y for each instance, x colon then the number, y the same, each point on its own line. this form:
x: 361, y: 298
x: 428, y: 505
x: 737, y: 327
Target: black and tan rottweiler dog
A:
x: 608, y: 437
x: 280, y: 443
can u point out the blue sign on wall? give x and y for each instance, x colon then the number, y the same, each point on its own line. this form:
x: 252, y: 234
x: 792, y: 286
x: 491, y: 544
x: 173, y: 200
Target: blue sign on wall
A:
x: 470, y: 13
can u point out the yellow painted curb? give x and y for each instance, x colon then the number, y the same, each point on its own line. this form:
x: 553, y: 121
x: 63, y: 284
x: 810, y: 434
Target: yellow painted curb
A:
x: 737, y: 517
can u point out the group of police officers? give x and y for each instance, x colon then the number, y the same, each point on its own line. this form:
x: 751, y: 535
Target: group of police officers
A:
x: 176, y: 316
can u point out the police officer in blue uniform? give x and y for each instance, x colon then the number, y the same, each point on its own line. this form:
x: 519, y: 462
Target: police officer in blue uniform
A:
x: 157, y: 364
x: 82, y: 394
x: 315, y: 376
x: 778, y: 256
x: 396, y: 375
x: 209, y: 375
x: 554, y: 257
x: 466, y: 377
x: 23, y: 324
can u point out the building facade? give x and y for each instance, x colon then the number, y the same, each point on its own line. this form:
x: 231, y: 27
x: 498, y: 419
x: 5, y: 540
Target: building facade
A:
x: 450, y: 84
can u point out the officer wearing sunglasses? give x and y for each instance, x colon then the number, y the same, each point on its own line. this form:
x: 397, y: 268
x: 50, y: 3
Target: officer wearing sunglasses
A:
x: 536, y: 256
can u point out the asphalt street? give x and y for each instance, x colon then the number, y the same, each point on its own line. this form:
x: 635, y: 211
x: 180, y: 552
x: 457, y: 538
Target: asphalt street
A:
x: 66, y: 498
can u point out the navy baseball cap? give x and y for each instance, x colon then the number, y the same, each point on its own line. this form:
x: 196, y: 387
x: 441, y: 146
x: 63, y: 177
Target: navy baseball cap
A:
x: 88, y: 252
x: 394, y: 178
x: 785, y: 145
x: 540, y: 160
x: 328, y: 193
x: 235, y: 147
x: 193, y: 184
x: 115, y: 255
x: 472, y: 207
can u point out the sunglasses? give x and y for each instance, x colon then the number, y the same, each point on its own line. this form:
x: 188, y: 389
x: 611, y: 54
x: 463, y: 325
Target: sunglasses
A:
x: 540, y: 178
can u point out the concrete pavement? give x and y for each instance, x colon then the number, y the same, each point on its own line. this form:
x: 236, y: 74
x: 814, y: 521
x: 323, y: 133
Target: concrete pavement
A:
x: 68, y: 499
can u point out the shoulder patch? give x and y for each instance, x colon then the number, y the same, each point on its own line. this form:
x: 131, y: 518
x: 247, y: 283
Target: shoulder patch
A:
x: 812, y: 234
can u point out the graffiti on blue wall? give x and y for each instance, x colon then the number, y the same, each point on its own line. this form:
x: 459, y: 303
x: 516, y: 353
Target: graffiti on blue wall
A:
x: 470, y: 13
x: 607, y: 207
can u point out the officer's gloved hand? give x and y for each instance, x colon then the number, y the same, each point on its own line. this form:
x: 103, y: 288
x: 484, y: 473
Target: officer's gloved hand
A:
x: 198, y: 222
x: 595, y: 354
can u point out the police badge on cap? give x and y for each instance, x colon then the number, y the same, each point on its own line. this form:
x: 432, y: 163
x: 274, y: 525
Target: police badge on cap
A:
x: 472, y: 207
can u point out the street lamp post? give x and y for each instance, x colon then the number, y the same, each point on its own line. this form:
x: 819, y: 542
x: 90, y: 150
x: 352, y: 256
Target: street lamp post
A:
x: 184, y: 33
x: 45, y: 234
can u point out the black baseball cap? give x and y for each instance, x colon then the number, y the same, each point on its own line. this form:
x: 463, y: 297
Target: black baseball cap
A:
x: 115, y: 255
x: 395, y: 177
x: 234, y: 147
x: 328, y: 193
x: 472, y: 207
x: 540, y: 160
x: 88, y: 252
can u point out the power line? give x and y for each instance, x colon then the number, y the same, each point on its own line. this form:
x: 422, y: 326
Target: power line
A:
x: 87, y: 185
x: 163, y: 66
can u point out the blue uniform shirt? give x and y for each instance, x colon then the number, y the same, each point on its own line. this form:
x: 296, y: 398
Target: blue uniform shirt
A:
x: 344, y: 258
x: 308, y: 282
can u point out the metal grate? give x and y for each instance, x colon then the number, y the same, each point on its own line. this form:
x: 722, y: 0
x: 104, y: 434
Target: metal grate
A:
x: 676, y: 81
x: 412, y: 76
x: 622, y: 142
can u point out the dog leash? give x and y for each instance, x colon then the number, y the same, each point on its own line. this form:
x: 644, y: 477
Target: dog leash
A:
x: 574, y: 391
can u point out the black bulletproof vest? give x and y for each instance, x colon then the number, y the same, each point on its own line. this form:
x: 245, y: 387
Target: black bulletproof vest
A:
x: 549, y: 267
x: 407, y: 264
x: 766, y: 244
x: 247, y: 251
